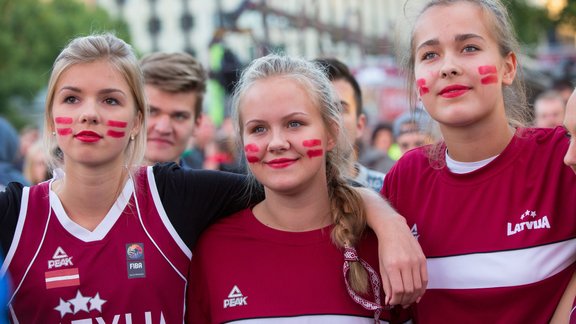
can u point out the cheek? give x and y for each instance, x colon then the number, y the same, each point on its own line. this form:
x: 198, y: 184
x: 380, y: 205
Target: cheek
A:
x: 313, y: 146
x: 252, y: 152
x: 64, y: 131
x: 116, y: 128
x: 62, y: 125
x: 63, y: 120
x: 315, y: 153
x: 488, y: 73
x: 421, y: 86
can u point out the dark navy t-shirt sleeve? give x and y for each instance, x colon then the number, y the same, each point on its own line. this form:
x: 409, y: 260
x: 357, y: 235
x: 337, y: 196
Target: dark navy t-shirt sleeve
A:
x: 10, y: 200
x: 194, y: 199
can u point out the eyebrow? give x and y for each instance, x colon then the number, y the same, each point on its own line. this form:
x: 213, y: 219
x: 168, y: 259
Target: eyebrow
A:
x: 458, y: 38
x: 103, y: 91
x: 292, y: 115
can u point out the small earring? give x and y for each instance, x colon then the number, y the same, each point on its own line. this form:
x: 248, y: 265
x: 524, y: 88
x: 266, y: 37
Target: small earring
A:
x: 132, y: 138
x: 53, y: 133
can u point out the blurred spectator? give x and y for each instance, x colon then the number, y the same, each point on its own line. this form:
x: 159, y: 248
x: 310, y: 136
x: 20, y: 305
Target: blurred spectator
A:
x: 28, y: 136
x: 35, y: 164
x: 9, y: 152
x: 353, y: 117
x: 222, y: 153
x: 204, y: 134
x: 549, y: 109
x: 413, y: 129
x: 224, y: 68
x: 564, y: 87
x: 175, y: 84
x: 376, y: 156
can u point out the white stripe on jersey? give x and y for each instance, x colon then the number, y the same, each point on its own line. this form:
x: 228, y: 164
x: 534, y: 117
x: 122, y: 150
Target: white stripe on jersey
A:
x: 18, y: 231
x: 312, y: 319
x: 163, y: 215
x: 500, y: 269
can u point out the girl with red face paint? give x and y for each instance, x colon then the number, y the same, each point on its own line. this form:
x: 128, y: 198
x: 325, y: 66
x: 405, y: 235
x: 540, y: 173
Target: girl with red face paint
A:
x: 495, y: 206
x: 303, y: 253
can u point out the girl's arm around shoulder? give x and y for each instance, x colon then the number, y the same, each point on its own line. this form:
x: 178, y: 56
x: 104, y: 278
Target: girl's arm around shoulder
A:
x: 194, y: 199
x: 402, y: 262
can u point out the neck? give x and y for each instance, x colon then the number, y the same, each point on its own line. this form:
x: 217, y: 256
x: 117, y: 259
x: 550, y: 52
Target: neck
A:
x: 88, y: 194
x: 477, y: 142
x: 305, y: 211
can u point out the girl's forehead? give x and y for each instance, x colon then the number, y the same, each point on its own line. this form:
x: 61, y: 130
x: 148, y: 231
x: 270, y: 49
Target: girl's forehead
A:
x: 458, y: 18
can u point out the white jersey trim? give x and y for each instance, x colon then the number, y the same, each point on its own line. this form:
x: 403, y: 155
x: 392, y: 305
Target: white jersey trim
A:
x: 500, y: 269
x: 18, y: 231
x: 163, y: 215
x: 105, y: 225
x: 304, y: 319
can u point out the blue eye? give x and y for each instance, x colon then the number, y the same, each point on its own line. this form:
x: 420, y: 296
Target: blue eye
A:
x: 470, y: 48
x: 294, y: 123
x: 429, y: 56
x: 258, y: 129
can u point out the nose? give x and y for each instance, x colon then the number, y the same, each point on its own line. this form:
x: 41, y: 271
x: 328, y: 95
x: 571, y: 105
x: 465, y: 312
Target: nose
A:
x: 278, y: 142
x: 90, y: 114
x: 449, y: 68
x: 162, y: 124
x: 570, y: 157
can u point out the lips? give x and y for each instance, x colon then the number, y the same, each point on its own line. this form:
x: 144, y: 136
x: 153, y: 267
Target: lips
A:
x: 88, y: 136
x: 453, y: 91
x: 281, y: 163
x: 160, y: 141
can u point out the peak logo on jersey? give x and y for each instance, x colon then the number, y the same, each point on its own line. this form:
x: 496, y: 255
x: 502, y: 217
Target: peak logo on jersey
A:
x: 135, y: 260
x: 529, y: 220
x: 62, y: 278
x: 85, y: 304
x: 60, y: 259
x: 235, y: 298
x: 414, y: 231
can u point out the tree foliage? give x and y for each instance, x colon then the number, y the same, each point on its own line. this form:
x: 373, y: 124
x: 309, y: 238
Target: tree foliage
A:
x: 530, y: 22
x: 568, y: 14
x: 32, y: 33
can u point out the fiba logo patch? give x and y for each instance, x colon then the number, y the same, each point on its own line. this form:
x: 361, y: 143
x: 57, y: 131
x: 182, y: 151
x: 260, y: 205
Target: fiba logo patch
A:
x: 135, y: 260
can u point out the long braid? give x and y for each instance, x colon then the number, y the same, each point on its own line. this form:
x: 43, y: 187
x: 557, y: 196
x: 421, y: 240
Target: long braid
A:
x: 349, y: 218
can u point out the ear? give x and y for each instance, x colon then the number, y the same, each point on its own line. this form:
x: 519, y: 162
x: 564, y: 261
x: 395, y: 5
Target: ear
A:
x: 510, y: 68
x: 360, y: 126
x: 331, y: 140
x: 137, y: 128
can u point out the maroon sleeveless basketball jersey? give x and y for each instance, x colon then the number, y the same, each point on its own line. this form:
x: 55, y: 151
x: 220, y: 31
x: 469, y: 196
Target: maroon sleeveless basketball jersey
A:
x: 131, y: 269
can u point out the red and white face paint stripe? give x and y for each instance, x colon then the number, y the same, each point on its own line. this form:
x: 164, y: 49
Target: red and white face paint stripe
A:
x: 116, y: 124
x: 490, y: 74
x: 62, y: 131
x: 313, y: 143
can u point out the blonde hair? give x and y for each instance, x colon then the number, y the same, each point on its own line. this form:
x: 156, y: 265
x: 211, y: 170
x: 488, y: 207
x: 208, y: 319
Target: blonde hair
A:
x: 515, y: 102
x: 119, y: 54
x: 347, y: 208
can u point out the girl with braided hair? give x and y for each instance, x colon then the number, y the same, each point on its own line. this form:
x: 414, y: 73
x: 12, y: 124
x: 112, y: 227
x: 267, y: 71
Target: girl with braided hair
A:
x: 304, y: 252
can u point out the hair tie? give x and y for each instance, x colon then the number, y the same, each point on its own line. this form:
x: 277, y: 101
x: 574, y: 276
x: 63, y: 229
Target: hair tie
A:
x: 351, y: 255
